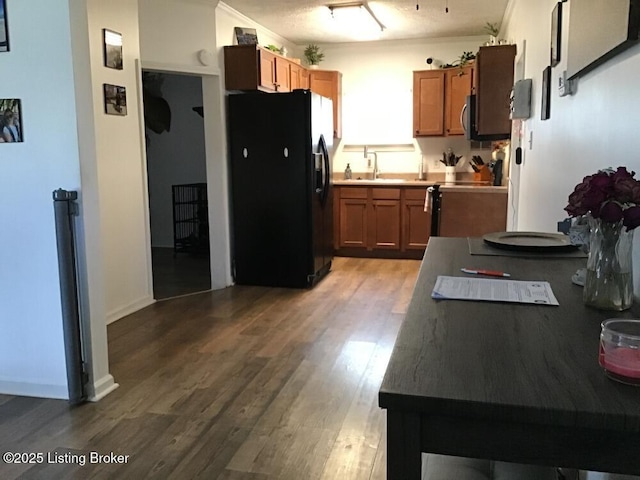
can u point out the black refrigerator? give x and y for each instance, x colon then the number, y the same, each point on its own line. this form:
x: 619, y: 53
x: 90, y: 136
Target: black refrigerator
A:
x: 280, y: 148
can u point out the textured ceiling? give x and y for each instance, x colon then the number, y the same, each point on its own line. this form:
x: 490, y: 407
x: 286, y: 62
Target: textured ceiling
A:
x: 309, y: 21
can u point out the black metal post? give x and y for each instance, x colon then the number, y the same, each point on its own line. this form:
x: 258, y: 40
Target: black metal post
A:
x: 435, y: 210
x: 65, y: 209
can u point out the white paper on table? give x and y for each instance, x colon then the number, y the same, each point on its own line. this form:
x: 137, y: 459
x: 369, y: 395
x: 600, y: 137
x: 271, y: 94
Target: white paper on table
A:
x: 490, y: 290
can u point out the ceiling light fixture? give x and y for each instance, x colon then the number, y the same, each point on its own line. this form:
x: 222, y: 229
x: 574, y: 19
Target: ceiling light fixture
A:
x: 355, y: 12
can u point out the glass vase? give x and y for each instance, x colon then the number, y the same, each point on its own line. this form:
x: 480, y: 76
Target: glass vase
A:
x: 609, y: 282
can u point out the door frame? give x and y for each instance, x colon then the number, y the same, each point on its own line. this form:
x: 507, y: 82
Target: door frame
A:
x: 213, y: 99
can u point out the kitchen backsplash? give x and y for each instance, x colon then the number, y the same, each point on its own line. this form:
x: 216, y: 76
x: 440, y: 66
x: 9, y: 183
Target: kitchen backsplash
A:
x: 396, y: 159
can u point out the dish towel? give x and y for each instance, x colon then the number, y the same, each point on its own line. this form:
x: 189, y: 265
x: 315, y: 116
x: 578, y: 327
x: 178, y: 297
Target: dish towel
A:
x: 427, y: 200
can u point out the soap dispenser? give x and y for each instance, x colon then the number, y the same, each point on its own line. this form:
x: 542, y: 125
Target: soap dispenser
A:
x: 347, y: 172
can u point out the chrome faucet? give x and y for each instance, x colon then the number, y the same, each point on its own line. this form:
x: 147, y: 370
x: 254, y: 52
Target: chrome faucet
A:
x: 376, y: 172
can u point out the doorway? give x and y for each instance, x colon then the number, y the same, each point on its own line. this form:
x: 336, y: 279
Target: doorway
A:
x: 177, y: 183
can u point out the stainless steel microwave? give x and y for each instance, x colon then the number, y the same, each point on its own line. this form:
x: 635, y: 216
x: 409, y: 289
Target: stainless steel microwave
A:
x: 469, y: 123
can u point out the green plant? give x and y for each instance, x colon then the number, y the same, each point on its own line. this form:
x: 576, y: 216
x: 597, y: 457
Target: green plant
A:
x: 313, y: 54
x: 465, y: 58
x: 492, y: 29
x: 273, y: 48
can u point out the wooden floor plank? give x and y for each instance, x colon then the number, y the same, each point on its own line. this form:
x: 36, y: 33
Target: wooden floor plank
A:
x: 244, y: 383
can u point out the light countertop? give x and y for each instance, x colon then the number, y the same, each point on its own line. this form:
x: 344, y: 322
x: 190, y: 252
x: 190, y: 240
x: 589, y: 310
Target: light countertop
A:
x: 462, y: 186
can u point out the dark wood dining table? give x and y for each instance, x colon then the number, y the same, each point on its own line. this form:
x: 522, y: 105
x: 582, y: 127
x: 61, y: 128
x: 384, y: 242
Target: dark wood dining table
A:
x: 506, y: 381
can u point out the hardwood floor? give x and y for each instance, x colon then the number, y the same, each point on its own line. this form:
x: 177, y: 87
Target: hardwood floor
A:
x: 180, y: 274
x: 245, y: 383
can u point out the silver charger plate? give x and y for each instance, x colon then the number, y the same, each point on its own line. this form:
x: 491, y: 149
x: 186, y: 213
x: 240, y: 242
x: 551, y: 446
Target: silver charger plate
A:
x: 529, y: 241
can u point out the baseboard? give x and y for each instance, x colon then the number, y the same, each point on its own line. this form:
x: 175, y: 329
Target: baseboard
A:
x: 129, y: 309
x: 102, y: 388
x: 34, y: 390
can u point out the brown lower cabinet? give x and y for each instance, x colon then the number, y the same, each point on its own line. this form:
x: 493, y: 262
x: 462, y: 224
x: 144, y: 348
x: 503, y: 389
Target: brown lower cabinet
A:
x: 471, y: 214
x: 380, y: 222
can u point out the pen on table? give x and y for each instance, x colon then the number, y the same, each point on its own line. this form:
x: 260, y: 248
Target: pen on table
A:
x: 491, y: 273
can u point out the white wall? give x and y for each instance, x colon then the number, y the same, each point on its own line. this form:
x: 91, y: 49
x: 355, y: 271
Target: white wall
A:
x: 175, y: 157
x: 44, y: 74
x: 121, y: 172
x: 227, y: 19
x: 377, y: 102
x: 593, y: 129
x: 171, y: 35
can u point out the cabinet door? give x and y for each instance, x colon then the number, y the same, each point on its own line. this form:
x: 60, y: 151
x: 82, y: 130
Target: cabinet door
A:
x: 283, y: 81
x: 241, y: 67
x: 385, y: 225
x: 458, y: 85
x: 416, y: 225
x: 329, y: 84
x: 294, y: 73
x: 494, y: 72
x: 428, y: 103
x: 353, y: 222
x: 304, y: 78
x: 267, y: 70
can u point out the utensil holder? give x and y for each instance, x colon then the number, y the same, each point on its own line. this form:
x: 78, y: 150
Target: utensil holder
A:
x: 484, y: 175
x: 449, y: 175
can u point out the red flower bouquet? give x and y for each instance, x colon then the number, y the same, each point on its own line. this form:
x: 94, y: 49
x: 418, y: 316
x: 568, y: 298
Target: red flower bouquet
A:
x: 608, y: 195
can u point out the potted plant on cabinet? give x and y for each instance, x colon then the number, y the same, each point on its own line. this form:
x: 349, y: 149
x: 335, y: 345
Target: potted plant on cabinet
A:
x: 313, y: 55
x: 493, y: 31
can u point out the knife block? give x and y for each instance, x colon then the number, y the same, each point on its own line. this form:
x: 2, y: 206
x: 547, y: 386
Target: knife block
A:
x: 484, y: 175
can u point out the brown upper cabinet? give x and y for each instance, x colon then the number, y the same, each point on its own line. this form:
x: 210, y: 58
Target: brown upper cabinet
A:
x: 428, y: 103
x: 439, y: 97
x: 458, y: 85
x: 299, y: 76
x: 328, y: 83
x: 493, y: 84
x: 251, y: 67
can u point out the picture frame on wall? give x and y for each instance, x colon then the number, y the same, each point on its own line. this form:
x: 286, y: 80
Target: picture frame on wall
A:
x: 246, y: 36
x: 11, y: 121
x: 546, y: 94
x: 112, y: 46
x: 556, y: 34
x: 115, y: 100
x: 4, y: 28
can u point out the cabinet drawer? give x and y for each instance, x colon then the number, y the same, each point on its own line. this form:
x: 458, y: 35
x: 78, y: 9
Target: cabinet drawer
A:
x: 415, y: 193
x: 385, y: 193
x: 353, y: 192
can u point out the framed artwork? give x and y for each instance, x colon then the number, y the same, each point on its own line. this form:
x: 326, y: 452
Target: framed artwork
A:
x: 115, y: 100
x: 112, y: 46
x: 246, y: 36
x: 556, y: 33
x: 4, y: 29
x: 10, y: 121
x: 545, y: 113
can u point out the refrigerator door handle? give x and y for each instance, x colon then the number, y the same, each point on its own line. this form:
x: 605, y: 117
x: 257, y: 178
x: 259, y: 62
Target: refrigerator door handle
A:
x: 326, y: 179
x: 317, y: 171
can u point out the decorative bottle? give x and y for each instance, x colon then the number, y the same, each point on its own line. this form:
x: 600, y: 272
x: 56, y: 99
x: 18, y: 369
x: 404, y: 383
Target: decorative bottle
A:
x: 347, y: 172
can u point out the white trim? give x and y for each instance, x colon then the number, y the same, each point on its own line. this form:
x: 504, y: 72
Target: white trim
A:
x: 129, y: 309
x: 34, y: 390
x: 508, y: 13
x: 180, y: 69
x: 243, y: 18
x: 102, y: 388
x: 145, y: 179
